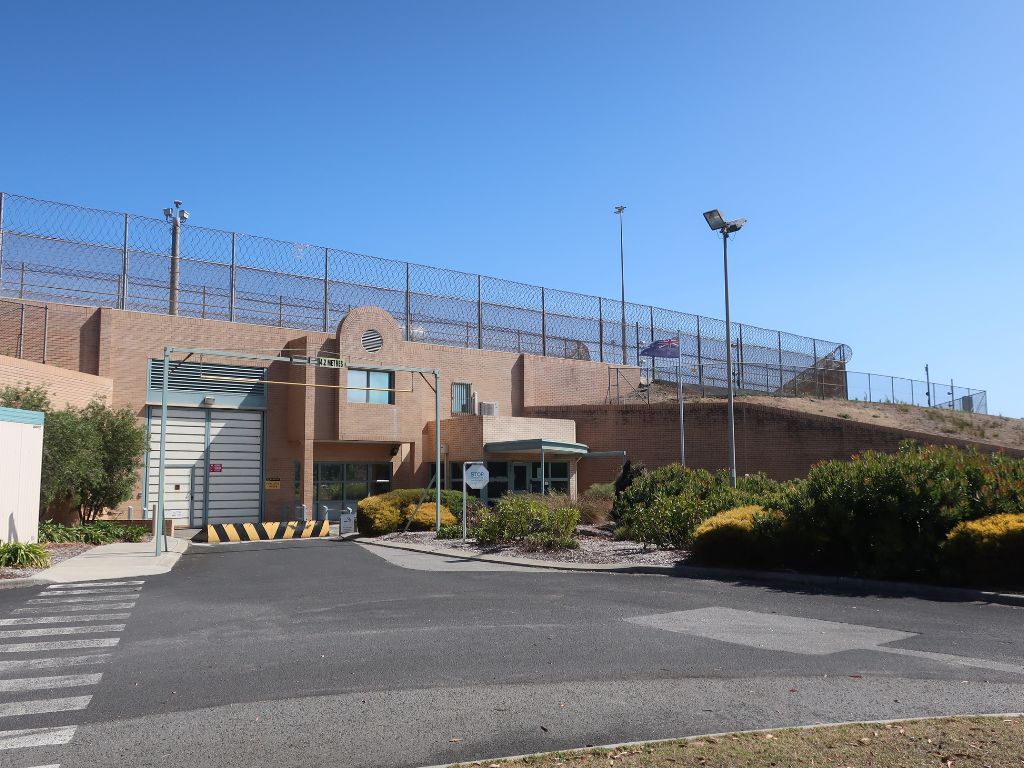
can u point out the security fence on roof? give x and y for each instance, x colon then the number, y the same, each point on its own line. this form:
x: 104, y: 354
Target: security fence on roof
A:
x: 58, y: 252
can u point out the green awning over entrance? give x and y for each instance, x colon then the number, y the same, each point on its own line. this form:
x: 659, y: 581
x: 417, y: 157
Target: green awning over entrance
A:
x: 536, y: 446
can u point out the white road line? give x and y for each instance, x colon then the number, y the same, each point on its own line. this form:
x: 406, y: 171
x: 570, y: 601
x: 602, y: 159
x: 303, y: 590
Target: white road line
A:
x: 82, y: 599
x: 91, y: 607
x: 36, y: 737
x: 41, y: 706
x: 45, y: 683
x: 62, y: 619
x: 113, y: 591
x: 77, y: 584
x: 24, y: 665
x: 44, y: 631
x: 51, y: 765
x: 60, y: 645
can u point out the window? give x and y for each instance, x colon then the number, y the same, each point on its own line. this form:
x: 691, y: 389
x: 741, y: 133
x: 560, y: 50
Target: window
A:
x: 462, y: 398
x: 557, y: 476
x: 371, y: 386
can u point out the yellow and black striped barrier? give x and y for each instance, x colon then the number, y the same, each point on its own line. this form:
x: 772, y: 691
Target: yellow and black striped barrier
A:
x: 267, y: 531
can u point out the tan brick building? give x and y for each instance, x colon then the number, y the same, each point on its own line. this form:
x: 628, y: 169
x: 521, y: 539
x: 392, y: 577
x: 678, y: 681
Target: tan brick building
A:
x: 250, y: 439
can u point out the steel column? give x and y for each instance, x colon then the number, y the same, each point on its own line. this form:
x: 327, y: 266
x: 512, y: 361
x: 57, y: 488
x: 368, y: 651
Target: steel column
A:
x: 46, y: 331
x: 158, y: 523
x: 600, y: 329
x: 21, y: 331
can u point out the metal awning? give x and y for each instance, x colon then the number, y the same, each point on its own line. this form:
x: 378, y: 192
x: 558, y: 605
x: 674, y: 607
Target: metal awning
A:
x: 537, y: 445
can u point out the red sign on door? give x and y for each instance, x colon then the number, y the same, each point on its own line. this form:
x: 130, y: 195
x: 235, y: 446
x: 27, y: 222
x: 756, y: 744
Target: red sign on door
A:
x: 216, y: 467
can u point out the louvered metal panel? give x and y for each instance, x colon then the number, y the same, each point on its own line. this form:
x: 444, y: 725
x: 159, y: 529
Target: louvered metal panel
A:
x: 199, y: 439
x: 188, y: 383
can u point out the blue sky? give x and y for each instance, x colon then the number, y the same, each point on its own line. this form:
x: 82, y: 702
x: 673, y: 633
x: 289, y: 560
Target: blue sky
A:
x: 874, y: 147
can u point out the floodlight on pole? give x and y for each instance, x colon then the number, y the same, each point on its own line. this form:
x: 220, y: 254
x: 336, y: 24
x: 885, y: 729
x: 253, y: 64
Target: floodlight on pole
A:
x: 719, y: 223
x: 175, y: 216
x: 622, y: 281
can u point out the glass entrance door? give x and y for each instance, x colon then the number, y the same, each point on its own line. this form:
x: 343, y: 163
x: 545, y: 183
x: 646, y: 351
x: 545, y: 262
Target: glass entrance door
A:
x: 343, y: 484
x: 520, y: 478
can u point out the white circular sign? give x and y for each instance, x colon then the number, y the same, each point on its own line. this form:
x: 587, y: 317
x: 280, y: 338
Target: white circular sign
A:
x: 477, y: 476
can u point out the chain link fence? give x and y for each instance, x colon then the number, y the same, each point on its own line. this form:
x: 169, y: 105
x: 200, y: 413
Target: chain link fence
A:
x: 57, y: 252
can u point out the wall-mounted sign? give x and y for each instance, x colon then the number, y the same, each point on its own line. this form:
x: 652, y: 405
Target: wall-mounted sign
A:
x: 216, y: 467
x: 323, y: 362
x: 272, y: 483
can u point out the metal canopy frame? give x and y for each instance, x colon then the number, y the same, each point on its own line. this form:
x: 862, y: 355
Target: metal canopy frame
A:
x: 158, y: 528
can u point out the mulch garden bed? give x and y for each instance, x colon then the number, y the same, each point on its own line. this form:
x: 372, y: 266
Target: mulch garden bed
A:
x: 593, y: 550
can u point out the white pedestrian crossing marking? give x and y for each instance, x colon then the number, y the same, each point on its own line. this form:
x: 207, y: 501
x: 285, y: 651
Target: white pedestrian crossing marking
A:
x: 44, y: 631
x: 62, y: 619
x: 79, y: 599
x: 90, y: 607
x: 41, y: 706
x: 36, y: 737
x: 113, y: 591
x: 24, y: 665
x: 46, y: 683
x: 77, y: 584
x: 60, y: 645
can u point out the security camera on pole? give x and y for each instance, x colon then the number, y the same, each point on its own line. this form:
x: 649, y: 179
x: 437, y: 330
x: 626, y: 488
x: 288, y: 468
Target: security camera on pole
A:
x: 475, y: 476
x: 175, y: 217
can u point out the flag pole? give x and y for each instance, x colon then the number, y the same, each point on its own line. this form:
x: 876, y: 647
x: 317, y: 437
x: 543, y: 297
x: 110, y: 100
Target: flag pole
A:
x: 679, y: 384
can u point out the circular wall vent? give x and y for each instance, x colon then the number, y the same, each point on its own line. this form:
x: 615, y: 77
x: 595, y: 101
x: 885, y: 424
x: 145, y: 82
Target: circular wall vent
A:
x: 372, y: 340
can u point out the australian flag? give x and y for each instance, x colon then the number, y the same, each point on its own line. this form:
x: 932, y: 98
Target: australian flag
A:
x: 662, y: 348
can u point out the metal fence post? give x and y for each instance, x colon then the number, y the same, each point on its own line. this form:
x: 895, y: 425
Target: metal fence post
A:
x: 21, y: 282
x: 870, y: 400
x: 652, y: 323
x: 408, y: 306
x: 327, y: 308
x: 543, y: 324
x: 700, y: 360
x: 231, y: 286
x: 46, y: 331
x: 122, y: 300
x: 892, y: 387
x: 600, y: 328
x: 912, y: 392
x: 21, y: 334
x: 479, y: 313
x: 1, y: 239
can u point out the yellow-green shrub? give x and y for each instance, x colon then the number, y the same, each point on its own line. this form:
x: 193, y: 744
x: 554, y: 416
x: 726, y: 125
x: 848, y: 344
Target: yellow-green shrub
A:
x: 389, y: 512
x: 743, y: 536
x: 987, y: 551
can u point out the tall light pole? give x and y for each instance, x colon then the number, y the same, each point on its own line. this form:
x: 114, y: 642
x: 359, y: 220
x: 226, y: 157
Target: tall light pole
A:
x: 175, y: 217
x: 718, y: 223
x: 622, y: 280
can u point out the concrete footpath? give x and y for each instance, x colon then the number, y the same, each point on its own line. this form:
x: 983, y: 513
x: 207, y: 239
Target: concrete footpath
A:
x: 109, y: 561
x: 769, y: 578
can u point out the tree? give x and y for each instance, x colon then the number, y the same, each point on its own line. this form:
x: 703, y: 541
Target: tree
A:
x: 71, y: 458
x: 27, y: 398
x: 120, y: 444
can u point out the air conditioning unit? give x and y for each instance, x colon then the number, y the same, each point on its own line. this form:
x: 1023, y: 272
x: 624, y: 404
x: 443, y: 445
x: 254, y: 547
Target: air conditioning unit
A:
x: 488, y: 409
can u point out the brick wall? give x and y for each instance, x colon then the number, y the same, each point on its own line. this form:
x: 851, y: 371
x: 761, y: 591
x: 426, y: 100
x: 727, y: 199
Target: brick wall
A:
x: 65, y: 387
x: 781, y: 443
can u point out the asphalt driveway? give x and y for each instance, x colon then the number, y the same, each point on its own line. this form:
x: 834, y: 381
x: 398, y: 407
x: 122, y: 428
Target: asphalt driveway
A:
x: 325, y: 653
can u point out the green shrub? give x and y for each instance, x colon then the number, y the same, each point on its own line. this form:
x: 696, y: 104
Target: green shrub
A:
x: 450, y: 531
x: 664, y: 506
x: 887, y: 515
x: 602, y: 491
x: 748, y: 536
x: 530, y: 521
x: 595, y: 506
x: 98, y: 532
x: 389, y: 512
x: 51, y: 531
x: 988, y: 551
x: 20, y: 555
